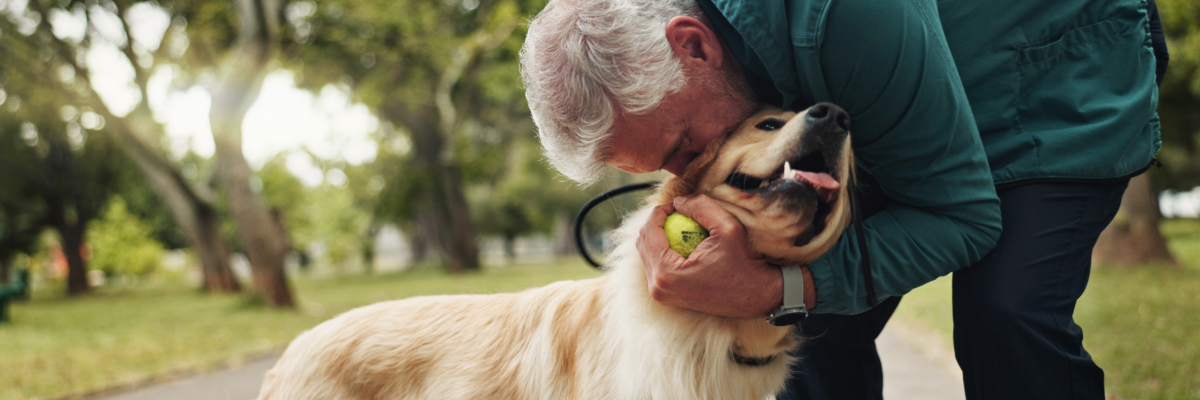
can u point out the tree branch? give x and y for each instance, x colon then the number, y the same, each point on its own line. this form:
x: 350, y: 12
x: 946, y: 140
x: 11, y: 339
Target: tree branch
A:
x: 64, y: 51
x: 478, y: 43
x: 160, y: 52
x: 126, y: 134
x: 140, y: 76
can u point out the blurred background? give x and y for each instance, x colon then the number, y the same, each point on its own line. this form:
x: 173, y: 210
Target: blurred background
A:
x: 187, y: 184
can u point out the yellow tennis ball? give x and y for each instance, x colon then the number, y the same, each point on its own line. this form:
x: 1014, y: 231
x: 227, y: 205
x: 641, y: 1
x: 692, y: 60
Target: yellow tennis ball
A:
x: 684, y: 233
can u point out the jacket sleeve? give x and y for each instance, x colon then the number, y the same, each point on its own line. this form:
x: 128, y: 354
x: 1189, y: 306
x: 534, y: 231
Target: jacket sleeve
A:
x: 888, y: 65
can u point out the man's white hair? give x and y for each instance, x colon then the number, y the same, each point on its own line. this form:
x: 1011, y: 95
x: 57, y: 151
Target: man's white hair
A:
x: 584, y: 58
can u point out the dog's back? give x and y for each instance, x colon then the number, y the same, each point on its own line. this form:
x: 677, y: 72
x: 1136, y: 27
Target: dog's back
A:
x: 449, y: 347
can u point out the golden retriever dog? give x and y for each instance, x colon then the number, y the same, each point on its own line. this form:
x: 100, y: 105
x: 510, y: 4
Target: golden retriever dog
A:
x: 781, y: 174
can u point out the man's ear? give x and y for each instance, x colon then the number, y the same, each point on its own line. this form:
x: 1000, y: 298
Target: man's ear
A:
x: 694, y: 43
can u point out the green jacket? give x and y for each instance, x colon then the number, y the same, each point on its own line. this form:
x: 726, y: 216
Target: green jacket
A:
x: 1054, y: 94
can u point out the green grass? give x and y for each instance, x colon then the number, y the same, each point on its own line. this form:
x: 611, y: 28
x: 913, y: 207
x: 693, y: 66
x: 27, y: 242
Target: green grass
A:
x: 1141, y: 324
x: 60, y: 347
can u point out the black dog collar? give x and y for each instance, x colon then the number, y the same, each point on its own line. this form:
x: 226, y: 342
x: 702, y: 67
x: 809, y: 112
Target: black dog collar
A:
x: 751, y: 361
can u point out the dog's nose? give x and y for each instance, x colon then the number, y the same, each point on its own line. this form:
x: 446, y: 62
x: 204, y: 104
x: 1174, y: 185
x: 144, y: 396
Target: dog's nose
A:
x: 828, y: 113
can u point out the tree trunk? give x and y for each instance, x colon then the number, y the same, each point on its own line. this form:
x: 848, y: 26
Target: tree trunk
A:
x: 196, y: 216
x: 418, y: 236
x: 72, y: 236
x: 261, y: 238
x: 443, y: 214
x: 368, y: 251
x: 461, y: 247
x: 214, y: 262
x: 564, y: 235
x: 237, y: 87
x: 445, y: 220
x: 1133, y: 237
x: 5, y: 269
x: 510, y: 248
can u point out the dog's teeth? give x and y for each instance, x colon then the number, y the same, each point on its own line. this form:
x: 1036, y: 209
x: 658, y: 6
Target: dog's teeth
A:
x: 787, y: 168
x: 763, y: 184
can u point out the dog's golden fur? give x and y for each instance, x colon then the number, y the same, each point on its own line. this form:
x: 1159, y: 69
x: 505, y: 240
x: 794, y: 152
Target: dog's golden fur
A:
x: 602, y: 338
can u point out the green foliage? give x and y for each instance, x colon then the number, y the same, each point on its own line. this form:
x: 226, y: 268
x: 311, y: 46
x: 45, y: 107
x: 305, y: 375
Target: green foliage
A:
x: 121, y: 243
x: 144, y: 204
x: 527, y: 196
x: 59, y: 163
x: 398, y: 63
x: 22, y: 216
x: 286, y: 195
x: 339, y: 224
x: 337, y: 216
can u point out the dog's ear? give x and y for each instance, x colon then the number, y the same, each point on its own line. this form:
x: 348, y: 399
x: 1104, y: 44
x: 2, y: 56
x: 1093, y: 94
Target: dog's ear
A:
x: 687, y: 184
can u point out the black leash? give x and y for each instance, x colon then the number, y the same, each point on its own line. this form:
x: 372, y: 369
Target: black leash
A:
x: 868, y: 280
x: 592, y: 204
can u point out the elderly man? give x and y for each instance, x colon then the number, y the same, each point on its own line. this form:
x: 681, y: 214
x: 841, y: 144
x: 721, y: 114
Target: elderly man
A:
x: 1061, y: 113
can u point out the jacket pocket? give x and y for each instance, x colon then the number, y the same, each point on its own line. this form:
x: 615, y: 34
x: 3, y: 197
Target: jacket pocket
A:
x: 1085, y: 96
x: 1045, y: 51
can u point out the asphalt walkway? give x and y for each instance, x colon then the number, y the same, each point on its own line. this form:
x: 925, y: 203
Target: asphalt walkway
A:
x: 911, y: 369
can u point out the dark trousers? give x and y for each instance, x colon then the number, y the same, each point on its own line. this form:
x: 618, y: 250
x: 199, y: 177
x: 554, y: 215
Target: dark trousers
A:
x: 1014, y: 334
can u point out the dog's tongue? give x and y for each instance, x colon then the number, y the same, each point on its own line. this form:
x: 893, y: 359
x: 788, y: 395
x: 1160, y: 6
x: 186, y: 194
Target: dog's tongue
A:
x: 821, y: 182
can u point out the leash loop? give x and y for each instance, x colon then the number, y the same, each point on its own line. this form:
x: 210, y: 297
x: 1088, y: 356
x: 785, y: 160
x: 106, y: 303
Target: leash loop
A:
x: 583, y: 212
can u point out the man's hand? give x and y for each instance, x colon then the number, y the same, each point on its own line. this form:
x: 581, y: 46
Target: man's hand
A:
x: 721, y: 277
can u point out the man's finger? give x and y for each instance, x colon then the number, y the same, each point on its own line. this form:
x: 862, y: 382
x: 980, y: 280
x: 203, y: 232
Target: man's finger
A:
x: 652, y: 240
x: 658, y: 217
x: 710, y: 215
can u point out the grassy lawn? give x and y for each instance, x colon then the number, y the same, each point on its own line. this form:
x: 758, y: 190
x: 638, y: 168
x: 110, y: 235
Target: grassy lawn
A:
x: 59, y: 347
x: 1140, y: 324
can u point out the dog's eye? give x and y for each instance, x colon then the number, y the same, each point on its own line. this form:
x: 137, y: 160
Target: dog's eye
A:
x: 770, y: 124
x: 744, y: 182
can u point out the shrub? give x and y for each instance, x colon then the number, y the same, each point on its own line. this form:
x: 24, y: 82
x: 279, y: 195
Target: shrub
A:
x: 121, y: 243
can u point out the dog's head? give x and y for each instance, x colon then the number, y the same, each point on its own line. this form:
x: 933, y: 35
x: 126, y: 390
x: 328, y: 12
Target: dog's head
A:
x: 783, y: 175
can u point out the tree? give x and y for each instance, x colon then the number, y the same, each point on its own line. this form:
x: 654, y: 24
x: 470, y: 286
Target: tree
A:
x: 527, y: 196
x: 242, y: 62
x: 440, y: 73
x: 19, y: 228
x: 57, y: 173
x: 1179, y: 97
x: 1133, y: 237
x: 122, y: 243
x: 287, y: 197
x: 55, y: 56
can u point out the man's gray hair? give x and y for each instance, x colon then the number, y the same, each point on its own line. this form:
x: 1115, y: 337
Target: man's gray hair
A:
x: 584, y: 58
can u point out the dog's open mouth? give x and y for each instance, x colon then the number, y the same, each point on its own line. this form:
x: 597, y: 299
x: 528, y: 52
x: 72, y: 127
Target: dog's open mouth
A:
x: 810, y: 170
x: 798, y: 179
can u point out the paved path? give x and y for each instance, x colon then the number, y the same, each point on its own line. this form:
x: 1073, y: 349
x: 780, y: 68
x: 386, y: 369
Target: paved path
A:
x: 908, y: 375
x: 239, y: 383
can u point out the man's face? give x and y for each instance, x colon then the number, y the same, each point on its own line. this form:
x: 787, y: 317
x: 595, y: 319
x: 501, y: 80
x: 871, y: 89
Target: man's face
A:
x: 672, y: 135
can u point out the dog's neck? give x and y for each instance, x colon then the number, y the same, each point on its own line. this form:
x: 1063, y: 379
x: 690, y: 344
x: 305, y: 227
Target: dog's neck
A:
x: 747, y: 338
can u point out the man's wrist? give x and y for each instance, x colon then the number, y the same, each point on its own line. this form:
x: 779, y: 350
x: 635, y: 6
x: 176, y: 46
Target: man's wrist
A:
x: 793, y: 309
x: 810, y: 288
